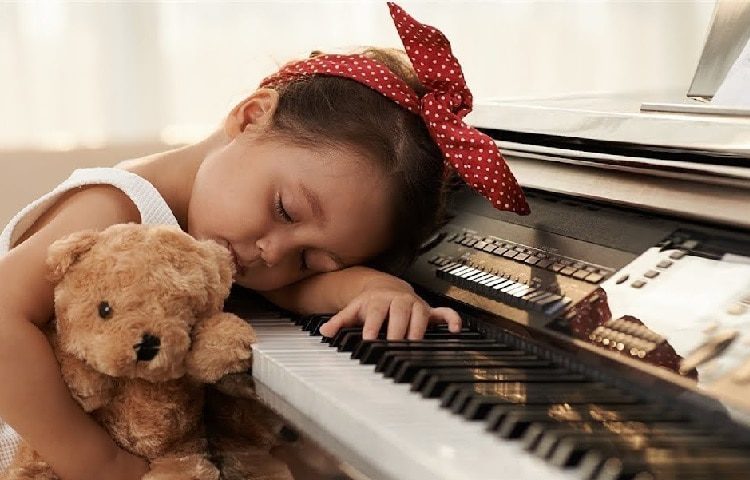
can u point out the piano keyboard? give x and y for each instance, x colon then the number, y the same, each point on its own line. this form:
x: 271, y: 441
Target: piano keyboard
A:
x: 461, y: 406
x: 399, y: 434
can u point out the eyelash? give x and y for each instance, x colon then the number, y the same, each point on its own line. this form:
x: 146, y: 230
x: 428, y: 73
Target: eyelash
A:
x: 281, y: 211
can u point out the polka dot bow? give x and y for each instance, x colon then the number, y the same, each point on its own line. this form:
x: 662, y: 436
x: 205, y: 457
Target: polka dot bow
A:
x: 471, y: 153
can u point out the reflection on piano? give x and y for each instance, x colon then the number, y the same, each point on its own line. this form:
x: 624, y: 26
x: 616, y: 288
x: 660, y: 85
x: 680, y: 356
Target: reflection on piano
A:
x: 607, y: 335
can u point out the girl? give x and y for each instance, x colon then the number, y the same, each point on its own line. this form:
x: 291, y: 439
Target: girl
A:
x: 336, y: 161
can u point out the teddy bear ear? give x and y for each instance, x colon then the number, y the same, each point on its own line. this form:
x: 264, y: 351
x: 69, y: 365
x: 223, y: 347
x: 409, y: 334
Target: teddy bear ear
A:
x: 221, y: 268
x: 65, y: 252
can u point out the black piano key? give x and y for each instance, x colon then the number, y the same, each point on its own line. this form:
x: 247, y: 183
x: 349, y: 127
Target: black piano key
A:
x: 339, y: 336
x: 455, y: 397
x: 483, y: 396
x: 667, y: 466
x: 370, y: 351
x: 652, y: 441
x: 309, y: 319
x: 533, y: 434
x: 440, y: 335
x: 404, y: 369
x: 391, y: 361
x: 567, y: 446
x: 696, y: 461
x: 352, y: 339
x: 567, y: 449
x: 443, y: 328
x: 512, y: 421
x: 310, y: 323
x: 433, y: 333
x: 431, y: 384
x: 315, y: 325
x: 478, y: 408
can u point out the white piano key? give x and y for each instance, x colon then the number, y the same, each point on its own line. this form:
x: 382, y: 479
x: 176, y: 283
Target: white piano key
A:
x: 487, y: 282
x: 459, y: 270
x: 468, y: 273
x: 504, y: 284
x: 477, y: 276
x: 400, y: 434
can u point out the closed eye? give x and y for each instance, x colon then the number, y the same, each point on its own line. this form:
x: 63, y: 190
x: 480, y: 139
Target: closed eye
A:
x: 281, y: 211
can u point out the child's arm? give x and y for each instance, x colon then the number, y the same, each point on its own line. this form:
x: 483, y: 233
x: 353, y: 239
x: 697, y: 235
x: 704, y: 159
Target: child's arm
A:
x: 33, y: 397
x: 365, y: 296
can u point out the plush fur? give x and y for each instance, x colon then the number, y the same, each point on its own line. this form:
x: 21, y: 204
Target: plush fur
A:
x: 116, y: 292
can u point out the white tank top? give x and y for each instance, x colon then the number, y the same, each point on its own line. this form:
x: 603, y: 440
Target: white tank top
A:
x: 152, y: 207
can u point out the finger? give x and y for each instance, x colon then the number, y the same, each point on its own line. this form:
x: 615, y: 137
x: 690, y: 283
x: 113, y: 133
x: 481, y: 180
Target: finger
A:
x: 375, y: 313
x: 420, y: 317
x: 345, y: 318
x: 446, y: 315
x: 399, y: 315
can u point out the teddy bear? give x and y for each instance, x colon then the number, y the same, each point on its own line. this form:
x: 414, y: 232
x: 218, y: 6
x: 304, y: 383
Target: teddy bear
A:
x: 138, y: 331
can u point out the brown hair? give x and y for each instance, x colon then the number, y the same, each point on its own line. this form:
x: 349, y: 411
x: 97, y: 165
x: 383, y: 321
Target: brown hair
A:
x: 328, y: 110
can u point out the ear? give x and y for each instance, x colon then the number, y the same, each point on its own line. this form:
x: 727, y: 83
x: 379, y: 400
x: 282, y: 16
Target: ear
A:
x: 65, y: 252
x: 219, y: 269
x: 256, y: 111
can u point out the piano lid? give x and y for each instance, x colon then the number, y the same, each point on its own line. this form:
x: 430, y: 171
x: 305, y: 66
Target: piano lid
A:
x: 602, y: 147
x: 617, y: 118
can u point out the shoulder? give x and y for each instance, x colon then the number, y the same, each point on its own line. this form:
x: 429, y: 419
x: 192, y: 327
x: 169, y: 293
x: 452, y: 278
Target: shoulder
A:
x: 90, y: 207
x: 101, y: 204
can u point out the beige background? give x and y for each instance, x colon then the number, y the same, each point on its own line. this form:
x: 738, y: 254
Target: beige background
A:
x: 25, y: 175
x: 93, y: 73
x: 123, y: 74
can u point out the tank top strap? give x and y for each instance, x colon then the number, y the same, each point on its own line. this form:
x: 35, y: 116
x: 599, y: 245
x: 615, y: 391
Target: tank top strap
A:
x: 151, y: 205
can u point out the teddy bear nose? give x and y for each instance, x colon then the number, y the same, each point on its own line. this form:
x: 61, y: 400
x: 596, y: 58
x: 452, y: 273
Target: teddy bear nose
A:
x: 148, y: 347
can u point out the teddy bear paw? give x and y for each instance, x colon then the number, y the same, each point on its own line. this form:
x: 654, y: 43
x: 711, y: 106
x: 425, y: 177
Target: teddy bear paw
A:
x: 190, y: 467
x: 222, y: 346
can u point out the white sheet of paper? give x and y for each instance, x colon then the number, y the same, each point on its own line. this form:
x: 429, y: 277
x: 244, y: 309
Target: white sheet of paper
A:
x: 735, y: 89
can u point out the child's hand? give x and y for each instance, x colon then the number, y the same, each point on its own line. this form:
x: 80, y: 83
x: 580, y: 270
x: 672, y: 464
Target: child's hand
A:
x: 408, y: 315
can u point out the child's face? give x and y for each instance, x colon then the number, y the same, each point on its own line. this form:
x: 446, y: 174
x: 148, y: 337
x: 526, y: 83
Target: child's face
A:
x: 288, y: 212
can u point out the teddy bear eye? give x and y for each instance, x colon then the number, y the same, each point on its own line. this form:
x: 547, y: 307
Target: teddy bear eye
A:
x: 105, y: 311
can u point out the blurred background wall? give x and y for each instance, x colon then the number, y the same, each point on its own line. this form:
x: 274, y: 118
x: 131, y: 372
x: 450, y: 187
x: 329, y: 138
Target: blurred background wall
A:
x: 107, y: 80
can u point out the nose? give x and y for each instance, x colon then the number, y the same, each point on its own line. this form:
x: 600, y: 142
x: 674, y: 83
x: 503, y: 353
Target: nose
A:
x: 273, y: 249
x: 148, y: 347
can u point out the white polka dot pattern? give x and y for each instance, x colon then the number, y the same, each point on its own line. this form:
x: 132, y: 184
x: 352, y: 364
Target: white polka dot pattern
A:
x: 471, y: 153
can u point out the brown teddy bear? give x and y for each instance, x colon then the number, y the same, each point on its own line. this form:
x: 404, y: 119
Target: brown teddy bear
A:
x: 138, y: 330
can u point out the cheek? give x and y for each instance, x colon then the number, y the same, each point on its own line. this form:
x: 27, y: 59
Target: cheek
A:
x: 263, y: 279
x: 228, y: 209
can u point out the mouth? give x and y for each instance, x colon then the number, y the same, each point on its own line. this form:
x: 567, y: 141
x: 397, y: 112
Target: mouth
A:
x: 238, y: 266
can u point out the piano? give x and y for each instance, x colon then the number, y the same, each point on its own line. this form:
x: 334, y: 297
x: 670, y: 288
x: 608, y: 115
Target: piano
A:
x: 606, y: 335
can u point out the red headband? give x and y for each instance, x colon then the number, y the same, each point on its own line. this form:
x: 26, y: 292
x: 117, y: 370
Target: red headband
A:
x: 473, y: 154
